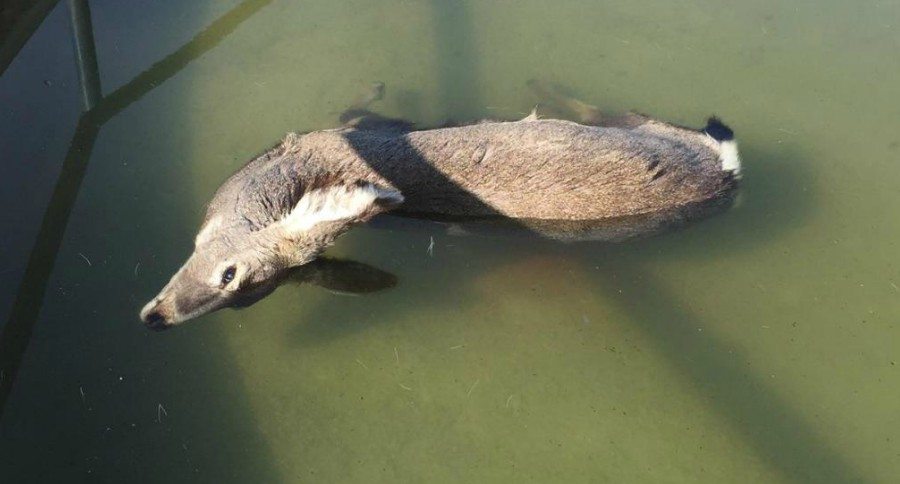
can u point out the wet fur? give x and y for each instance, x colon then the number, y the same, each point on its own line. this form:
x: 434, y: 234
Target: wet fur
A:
x: 633, y: 175
x: 628, y: 176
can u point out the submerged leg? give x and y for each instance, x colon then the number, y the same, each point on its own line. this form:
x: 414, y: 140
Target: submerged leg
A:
x: 358, y: 116
x: 559, y: 101
x: 346, y: 276
x: 374, y: 92
x: 359, y: 108
x: 585, y: 113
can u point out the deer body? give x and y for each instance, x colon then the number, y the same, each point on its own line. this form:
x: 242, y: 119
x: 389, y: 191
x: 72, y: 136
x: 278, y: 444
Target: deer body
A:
x: 534, y: 170
x: 558, y: 178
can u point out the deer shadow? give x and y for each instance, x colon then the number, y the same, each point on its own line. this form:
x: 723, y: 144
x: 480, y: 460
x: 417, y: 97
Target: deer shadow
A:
x: 774, y: 201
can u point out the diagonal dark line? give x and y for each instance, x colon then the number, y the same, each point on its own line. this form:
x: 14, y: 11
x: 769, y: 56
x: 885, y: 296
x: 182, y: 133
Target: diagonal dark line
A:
x: 20, y: 19
x: 29, y: 298
x: 766, y: 421
x: 769, y: 423
x: 459, y: 97
x: 159, y: 72
x: 16, y: 333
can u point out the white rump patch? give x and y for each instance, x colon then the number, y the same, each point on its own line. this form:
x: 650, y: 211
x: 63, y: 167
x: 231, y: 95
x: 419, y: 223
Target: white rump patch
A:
x: 340, y: 202
x: 731, y: 160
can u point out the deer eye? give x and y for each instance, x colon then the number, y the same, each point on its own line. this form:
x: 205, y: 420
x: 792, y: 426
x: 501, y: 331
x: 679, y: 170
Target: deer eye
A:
x: 228, y: 275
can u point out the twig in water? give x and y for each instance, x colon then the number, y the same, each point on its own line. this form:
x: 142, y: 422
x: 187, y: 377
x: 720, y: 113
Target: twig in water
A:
x: 405, y: 387
x: 509, y: 400
x: 81, y: 391
x: 362, y: 364
x: 160, y: 411
x: 430, y: 250
x: 136, y: 267
x: 397, y: 355
x: 86, y: 259
x: 472, y: 387
x: 457, y: 347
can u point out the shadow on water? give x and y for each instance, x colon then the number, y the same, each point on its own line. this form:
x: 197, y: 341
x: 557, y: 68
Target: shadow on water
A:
x: 767, y: 422
x: 18, y: 22
x: 719, y: 374
x: 717, y: 370
x: 17, y: 331
x: 29, y: 300
x: 457, y: 58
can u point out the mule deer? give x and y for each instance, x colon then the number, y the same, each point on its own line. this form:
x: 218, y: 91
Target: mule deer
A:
x: 610, y: 178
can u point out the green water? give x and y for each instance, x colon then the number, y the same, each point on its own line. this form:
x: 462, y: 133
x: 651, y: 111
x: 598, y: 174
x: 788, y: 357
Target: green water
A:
x: 758, y: 346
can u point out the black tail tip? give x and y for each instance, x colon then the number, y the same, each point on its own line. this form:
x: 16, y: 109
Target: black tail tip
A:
x: 717, y: 129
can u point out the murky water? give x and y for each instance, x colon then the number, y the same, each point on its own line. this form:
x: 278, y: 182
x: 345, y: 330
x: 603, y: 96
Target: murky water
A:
x: 758, y: 346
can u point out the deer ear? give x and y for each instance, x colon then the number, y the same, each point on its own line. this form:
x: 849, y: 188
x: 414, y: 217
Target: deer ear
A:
x: 354, y: 203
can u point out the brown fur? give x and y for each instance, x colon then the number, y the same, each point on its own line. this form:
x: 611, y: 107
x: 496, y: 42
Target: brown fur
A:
x: 558, y: 178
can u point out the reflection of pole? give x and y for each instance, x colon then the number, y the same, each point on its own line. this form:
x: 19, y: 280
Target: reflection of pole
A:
x: 15, y: 335
x: 85, y: 52
x: 18, y: 23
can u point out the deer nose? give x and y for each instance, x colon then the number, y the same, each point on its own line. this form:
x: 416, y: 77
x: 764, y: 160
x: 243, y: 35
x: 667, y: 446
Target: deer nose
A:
x: 155, y: 321
x: 153, y: 316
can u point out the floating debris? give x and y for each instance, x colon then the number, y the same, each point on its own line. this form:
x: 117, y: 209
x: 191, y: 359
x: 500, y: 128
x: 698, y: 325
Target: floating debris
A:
x: 160, y: 411
x: 509, y: 400
x: 81, y: 391
x: 362, y: 364
x: 396, y: 355
x: 405, y: 387
x: 86, y: 259
x: 472, y: 387
x: 136, y: 267
x: 430, y: 250
x: 457, y: 347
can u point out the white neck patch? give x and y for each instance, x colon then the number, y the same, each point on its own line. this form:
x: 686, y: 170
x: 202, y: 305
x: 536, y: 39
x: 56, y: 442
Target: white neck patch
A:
x: 340, y: 202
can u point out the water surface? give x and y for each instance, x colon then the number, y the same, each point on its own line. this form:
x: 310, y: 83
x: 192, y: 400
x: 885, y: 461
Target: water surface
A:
x: 757, y: 346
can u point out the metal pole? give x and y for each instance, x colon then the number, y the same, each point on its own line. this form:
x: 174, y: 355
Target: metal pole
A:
x: 85, y: 52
